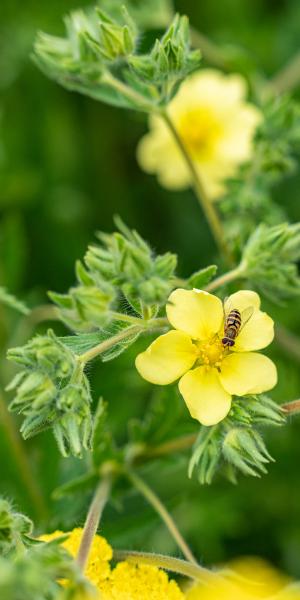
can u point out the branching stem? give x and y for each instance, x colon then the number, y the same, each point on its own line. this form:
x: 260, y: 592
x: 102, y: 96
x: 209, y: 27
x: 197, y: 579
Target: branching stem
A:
x: 157, y: 504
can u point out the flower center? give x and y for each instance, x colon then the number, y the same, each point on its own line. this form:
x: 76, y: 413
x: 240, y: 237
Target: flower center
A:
x: 200, y: 130
x: 211, y: 353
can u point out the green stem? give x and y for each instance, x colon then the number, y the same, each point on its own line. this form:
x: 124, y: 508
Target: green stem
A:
x: 121, y: 336
x: 109, y: 343
x: 126, y: 318
x: 125, y: 90
x: 181, y: 443
x: 156, y: 503
x: 169, y: 563
x: 288, y: 78
x: 92, y: 520
x: 207, y: 205
x: 226, y: 278
x: 22, y: 460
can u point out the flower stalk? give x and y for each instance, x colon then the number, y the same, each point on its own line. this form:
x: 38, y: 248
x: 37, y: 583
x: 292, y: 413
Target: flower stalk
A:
x: 92, y: 520
x: 169, y: 563
x: 156, y: 503
x: 204, y: 201
x: 121, y: 336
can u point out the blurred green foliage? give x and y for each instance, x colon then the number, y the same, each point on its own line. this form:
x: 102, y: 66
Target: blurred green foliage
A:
x: 67, y: 164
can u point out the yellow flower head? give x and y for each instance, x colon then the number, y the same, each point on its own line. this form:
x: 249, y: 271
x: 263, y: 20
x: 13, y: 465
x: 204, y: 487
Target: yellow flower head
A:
x: 139, y: 582
x: 216, y: 125
x: 125, y: 581
x: 253, y: 580
x: 98, y: 567
x: 210, y: 372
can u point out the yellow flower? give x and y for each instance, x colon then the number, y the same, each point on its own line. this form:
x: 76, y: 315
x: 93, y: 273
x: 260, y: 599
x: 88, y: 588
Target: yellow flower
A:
x: 253, y: 580
x: 98, y: 567
x: 141, y: 582
x: 219, y: 372
x: 216, y: 125
x: 125, y: 581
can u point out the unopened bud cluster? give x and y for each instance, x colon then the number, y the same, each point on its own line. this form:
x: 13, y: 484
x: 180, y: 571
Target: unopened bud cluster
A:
x: 235, y: 445
x: 52, y: 390
x: 98, y: 58
x: 270, y: 260
x: 122, y: 267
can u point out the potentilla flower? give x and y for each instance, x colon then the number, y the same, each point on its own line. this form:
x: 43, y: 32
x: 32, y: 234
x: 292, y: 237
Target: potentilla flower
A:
x: 251, y: 579
x: 209, y: 372
x: 216, y: 125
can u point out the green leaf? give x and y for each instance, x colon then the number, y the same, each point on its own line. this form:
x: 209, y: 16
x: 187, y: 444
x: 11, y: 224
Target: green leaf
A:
x: 201, y: 278
x: 12, y: 302
x: 80, y: 484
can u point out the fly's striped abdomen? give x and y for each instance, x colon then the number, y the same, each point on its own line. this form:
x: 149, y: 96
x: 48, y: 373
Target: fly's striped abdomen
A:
x: 231, y: 327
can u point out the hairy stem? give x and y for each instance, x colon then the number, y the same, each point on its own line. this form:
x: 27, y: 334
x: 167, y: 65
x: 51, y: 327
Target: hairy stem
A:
x: 226, y: 278
x: 156, y: 503
x: 125, y: 90
x: 22, y: 461
x: 181, y: 443
x: 169, y: 563
x: 207, y: 205
x: 109, y: 343
x: 121, y: 336
x: 92, y: 520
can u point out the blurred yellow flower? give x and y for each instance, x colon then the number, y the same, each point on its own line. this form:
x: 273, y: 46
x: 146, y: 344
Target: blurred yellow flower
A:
x: 219, y: 372
x: 216, y: 125
x: 98, y: 567
x: 252, y: 579
x: 139, y: 582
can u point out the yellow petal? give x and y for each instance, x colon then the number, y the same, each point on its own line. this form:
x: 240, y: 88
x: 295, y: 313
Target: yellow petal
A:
x: 205, y: 396
x: 167, y: 358
x: 257, y: 333
x: 248, y: 373
x: 197, y: 313
x: 242, y: 299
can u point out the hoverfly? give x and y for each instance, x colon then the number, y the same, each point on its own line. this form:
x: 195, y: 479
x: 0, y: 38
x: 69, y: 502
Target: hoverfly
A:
x: 234, y: 321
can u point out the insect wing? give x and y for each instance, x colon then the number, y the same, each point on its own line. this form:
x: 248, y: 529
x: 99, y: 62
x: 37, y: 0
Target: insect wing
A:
x: 246, y: 314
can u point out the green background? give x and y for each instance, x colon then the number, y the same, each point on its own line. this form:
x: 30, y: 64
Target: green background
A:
x: 67, y: 165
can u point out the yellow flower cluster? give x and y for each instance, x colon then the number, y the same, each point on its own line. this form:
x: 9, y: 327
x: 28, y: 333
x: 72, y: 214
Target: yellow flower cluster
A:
x: 139, y: 582
x: 125, y: 581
